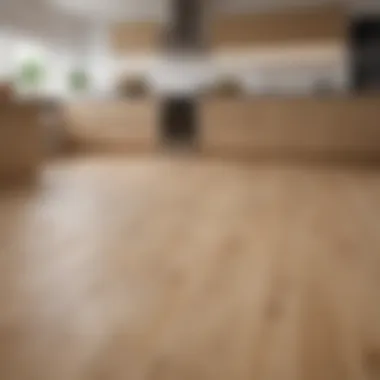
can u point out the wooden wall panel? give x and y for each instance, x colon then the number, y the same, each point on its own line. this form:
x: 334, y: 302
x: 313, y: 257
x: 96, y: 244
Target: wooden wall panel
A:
x: 135, y: 37
x: 291, y: 26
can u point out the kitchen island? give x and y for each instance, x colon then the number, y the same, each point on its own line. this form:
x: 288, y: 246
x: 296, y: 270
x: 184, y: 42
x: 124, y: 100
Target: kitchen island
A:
x: 321, y: 126
x: 340, y: 125
x: 113, y: 124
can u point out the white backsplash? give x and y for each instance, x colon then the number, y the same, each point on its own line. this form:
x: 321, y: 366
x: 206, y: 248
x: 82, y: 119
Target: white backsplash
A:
x: 287, y: 71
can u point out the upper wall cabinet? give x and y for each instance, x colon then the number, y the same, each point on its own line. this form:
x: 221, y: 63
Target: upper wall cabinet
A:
x: 305, y: 25
x: 136, y: 37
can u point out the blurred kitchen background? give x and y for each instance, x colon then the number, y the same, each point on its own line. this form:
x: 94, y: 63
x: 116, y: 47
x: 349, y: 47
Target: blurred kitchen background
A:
x: 227, y: 77
x: 67, y: 48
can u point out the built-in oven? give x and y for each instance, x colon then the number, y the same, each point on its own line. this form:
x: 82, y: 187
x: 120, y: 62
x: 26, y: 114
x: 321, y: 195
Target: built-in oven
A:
x: 365, y: 52
x: 179, y: 121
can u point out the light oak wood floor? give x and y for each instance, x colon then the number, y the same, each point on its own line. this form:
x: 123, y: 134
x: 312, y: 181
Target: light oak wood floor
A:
x: 165, y: 269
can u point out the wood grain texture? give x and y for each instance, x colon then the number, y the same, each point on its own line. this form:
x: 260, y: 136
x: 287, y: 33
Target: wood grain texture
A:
x: 173, y: 268
x: 341, y: 125
x: 294, y: 25
x: 21, y: 141
x: 120, y: 124
x: 135, y: 37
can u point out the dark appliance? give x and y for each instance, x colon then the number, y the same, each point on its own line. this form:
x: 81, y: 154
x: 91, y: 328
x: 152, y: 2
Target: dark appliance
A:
x: 365, y: 44
x: 185, y: 28
x: 179, y: 121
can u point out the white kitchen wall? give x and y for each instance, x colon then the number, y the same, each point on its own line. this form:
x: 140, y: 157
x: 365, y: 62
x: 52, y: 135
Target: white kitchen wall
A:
x: 71, y: 43
x: 69, y: 39
x: 33, y: 29
x: 296, y: 70
x: 299, y: 70
x: 289, y: 70
x: 100, y: 64
x: 6, y: 63
x: 15, y: 48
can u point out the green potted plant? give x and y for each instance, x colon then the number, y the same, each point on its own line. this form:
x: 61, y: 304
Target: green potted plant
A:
x: 78, y: 81
x: 31, y: 75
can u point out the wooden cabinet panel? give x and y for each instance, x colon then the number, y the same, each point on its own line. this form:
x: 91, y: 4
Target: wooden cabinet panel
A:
x: 135, y: 37
x: 128, y: 123
x: 298, y: 26
x: 307, y: 125
x: 21, y: 140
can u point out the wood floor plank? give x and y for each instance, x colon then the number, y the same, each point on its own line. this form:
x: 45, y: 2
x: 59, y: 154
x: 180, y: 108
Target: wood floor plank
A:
x: 116, y: 268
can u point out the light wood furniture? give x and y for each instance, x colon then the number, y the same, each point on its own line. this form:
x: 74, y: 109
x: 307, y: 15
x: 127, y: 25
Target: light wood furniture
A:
x: 324, y: 24
x: 118, y: 124
x: 21, y: 140
x: 178, y: 269
x: 136, y: 37
x: 308, y: 125
x: 6, y: 92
